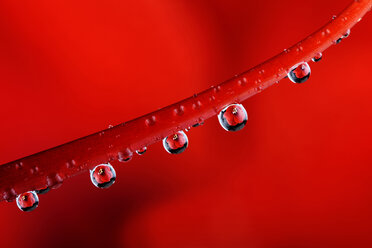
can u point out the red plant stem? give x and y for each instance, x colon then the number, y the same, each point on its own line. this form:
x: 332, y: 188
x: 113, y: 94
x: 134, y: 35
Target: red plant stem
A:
x: 49, y: 168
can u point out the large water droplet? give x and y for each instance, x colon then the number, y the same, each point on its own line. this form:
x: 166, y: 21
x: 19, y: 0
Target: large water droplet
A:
x: 176, y: 143
x: 103, y: 176
x: 141, y: 151
x: 27, y: 201
x: 300, y: 74
x: 233, y: 117
x: 318, y: 57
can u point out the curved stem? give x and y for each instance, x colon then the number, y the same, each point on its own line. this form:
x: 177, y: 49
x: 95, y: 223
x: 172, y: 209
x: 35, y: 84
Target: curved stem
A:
x: 49, y: 168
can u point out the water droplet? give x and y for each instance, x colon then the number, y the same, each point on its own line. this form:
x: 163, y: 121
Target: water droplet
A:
x: 9, y: 195
x: 110, y: 126
x: 179, y: 111
x: 187, y: 129
x: 125, y: 156
x: 27, y: 201
x: 54, y: 181
x: 103, y: 176
x: 338, y: 41
x: 176, y: 143
x: 233, y: 117
x: 345, y: 35
x: 198, y: 124
x: 150, y: 121
x: 197, y: 105
x: 19, y: 165
x: 300, y: 74
x: 42, y: 191
x: 141, y: 151
x: 334, y: 17
x: 217, y: 89
x: 318, y: 57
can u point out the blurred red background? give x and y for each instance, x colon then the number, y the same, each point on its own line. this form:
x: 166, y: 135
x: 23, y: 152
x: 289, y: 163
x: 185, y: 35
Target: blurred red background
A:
x: 298, y: 175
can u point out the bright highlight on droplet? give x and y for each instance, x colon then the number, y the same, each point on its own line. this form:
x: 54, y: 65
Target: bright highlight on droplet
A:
x: 300, y: 74
x: 233, y: 117
x: 103, y: 176
x: 176, y: 143
x: 27, y: 201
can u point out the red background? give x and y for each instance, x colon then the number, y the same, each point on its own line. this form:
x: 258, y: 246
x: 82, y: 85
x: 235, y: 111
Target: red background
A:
x: 298, y: 175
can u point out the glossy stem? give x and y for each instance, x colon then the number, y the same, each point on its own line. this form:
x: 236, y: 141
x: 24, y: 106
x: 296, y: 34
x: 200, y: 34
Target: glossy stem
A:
x: 49, y: 168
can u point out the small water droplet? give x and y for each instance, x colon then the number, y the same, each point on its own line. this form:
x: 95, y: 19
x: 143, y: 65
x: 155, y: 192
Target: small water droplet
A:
x: 141, y: 151
x: 9, y: 195
x: 125, y: 156
x: 212, y: 98
x: 233, y: 117
x: 150, y: 121
x: 19, y: 165
x: 54, y: 181
x: 176, y: 143
x: 42, y: 190
x: 180, y: 110
x: 197, y: 105
x: 198, y: 124
x: 187, y: 129
x: 34, y: 170
x: 346, y: 34
x: 338, y: 41
x: 318, y: 57
x: 217, y: 89
x: 241, y: 83
x: 28, y: 201
x: 334, y: 17
x: 110, y: 126
x: 258, y: 81
x: 103, y: 176
x: 300, y: 74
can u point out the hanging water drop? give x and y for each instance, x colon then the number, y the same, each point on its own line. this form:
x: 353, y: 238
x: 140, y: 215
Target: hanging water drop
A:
x: 42, y: 191
x: 27, y: 201
x: 300, y: 74
x: 318, y: 57
x: 345, y: 35
x: 125, y: 155
x: 233, y: 117
x: 338, y: 40
x: 103, y: 176
x: 141, y: 151
x: 176, y: 143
